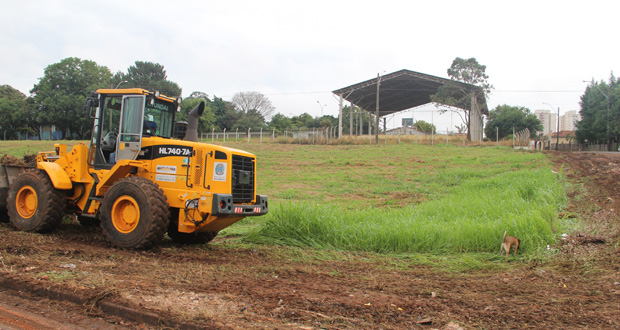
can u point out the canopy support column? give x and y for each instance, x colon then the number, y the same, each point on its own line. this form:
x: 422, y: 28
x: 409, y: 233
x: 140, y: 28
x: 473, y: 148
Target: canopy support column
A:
x: 340, y: 117
x: 377, y: 111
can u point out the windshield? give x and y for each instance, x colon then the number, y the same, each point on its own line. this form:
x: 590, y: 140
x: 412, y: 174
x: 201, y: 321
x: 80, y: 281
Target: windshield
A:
x: 159, y: 118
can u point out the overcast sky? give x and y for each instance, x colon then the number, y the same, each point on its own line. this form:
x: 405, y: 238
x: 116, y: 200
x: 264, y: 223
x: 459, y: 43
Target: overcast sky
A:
x: 297, y: 52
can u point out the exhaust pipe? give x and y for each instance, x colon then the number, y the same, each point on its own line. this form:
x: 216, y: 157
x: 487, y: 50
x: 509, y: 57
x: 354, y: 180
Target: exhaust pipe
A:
x: 192, y: 122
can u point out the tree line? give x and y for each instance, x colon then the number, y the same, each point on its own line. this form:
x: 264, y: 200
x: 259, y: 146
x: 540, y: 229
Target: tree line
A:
x: 58, y: 97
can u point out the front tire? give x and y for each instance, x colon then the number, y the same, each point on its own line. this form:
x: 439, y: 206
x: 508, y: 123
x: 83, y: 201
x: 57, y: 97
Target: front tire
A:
x: 134, y: 213
x: 34, y: 204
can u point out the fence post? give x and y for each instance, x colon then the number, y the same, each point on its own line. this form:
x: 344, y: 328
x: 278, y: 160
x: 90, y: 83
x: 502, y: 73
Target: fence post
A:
x: 224, y: 134
x: 261, y: 135
x: 237, y: 135
x: 212, y: 136
x: 249, y: 129
x: 273, y: 135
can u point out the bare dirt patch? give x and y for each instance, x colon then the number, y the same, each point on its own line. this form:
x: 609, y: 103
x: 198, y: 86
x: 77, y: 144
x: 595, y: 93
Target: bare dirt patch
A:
x: 230, y: 285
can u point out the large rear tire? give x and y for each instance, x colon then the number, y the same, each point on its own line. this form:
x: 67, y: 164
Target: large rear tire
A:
x: 134, y: 213
x: 34, y: 204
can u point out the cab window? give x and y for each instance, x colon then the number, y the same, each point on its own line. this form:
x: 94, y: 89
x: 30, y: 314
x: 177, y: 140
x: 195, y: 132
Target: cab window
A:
x: 158, y: 119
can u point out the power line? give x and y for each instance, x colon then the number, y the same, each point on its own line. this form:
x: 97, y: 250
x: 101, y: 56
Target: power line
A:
x: 426, y: 90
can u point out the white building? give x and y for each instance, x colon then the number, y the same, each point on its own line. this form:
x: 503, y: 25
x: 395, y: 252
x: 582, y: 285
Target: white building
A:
x: 548, y: 119
x: 568, y: 120
x: 406, y: 130
x: 550, y: 124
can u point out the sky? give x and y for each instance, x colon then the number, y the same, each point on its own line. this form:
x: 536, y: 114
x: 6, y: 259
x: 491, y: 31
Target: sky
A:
x: 537, y: 53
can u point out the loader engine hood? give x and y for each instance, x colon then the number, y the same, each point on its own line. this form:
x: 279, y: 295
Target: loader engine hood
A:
x: 201, y: 165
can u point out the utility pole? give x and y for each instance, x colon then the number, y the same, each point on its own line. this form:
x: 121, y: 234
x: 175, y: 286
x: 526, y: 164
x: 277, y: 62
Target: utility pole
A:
x: 377, y: 111
x: 340, y: 117
x: 351, y: 120
x: 557, y: 129
x: 557, y: 140
x: 361, y: 132
x: 369, y: 121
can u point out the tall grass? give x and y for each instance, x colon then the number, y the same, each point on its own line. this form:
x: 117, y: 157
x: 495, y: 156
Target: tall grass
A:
x: 470, y: 218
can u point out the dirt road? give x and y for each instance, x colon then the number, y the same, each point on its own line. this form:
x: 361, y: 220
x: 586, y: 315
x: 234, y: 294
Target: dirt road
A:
x: 230, y: 285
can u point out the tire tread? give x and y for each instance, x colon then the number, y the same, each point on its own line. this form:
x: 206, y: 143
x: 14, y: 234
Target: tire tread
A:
x: 158, y: 205
x: 51, y: 201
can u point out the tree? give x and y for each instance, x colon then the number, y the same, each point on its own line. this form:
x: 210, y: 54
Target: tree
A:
x: 60, y: 94
x: 358, y: 115
x: 225, y: 113
x: 424, y: 127
x: 250, y: 119
x: 198, y: 95
x: 302, y: 121
x: 229, y: 119
x: 600, y: 112
x: 459, y: 93
x: 246, y: 101
x: 327, y: 121
x: 504, y: 118
x: 205, y: 121
x: 280, y: 123
x: 16, y: 113
x: 147, y: 75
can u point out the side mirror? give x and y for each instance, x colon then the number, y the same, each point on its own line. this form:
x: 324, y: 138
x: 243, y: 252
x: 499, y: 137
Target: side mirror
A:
x: 90, y: 104
x: 88, y: 108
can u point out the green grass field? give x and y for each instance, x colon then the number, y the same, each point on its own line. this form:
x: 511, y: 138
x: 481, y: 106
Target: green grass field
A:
x: 407, y: 198
x: 397, y: 198
x: 21, y: 148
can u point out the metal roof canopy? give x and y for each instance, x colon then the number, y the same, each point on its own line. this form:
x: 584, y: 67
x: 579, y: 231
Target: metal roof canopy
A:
x: 398, y: 91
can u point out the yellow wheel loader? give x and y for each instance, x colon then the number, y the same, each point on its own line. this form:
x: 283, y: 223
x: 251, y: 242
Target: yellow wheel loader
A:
x: 135, y: 180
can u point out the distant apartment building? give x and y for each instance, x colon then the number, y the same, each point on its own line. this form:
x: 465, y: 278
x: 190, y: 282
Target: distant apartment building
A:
x: 548, y: 120
x: 550, y: 124
x: 568, y: 120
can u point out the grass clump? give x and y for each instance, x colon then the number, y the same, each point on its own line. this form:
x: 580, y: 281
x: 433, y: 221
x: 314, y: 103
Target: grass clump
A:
x: 471, y: 217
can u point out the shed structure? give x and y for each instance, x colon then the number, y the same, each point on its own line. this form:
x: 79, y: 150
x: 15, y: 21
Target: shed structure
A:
x: 403, y: 90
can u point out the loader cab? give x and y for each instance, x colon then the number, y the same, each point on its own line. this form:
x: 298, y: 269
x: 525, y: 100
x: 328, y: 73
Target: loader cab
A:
x: 123, y: 118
